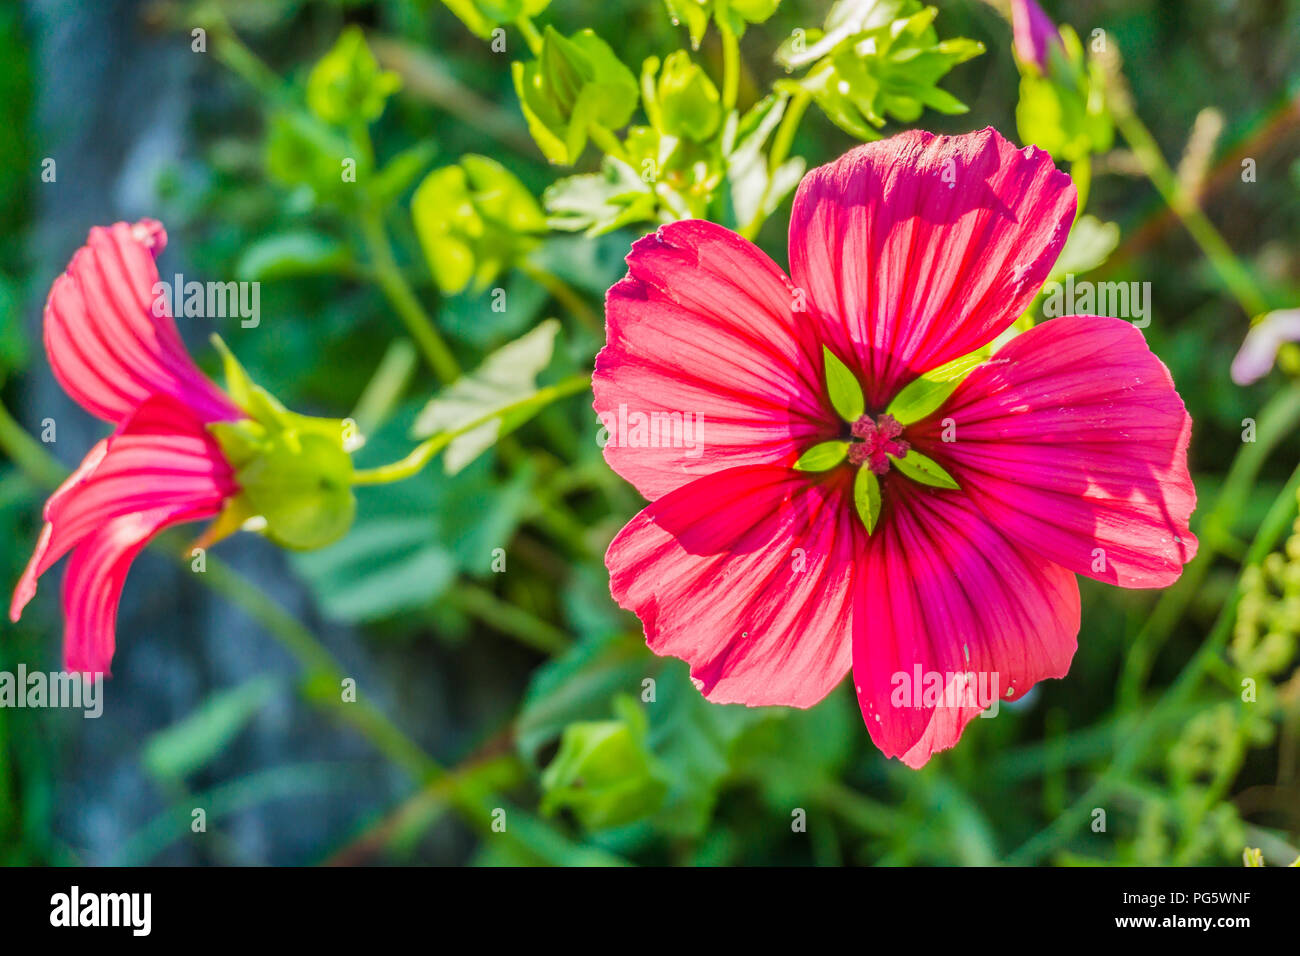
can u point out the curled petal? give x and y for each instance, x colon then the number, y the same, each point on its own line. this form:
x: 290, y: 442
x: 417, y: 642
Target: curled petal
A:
x: 110, y: 336
x: 160, y: 467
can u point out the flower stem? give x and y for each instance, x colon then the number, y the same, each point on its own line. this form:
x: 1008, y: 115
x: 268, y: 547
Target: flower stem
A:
x: 27, y: 453
x: 1235, y: 276
x: 607, y: 141
x: 404, y: 300
x: 507, y: 618
x: 781, y: 143
x: 730, y: 66
x: 425, y: 452
x: 565, y: 294
x: 531, y: 35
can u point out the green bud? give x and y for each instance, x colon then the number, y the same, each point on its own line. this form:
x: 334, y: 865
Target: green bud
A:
x: 575, y: 82
x: 689, y: 105
x: 347, y: 83
x: 604, y: 772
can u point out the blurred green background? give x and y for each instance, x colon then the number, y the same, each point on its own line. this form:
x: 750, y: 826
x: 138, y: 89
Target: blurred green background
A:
x: 225, y: 689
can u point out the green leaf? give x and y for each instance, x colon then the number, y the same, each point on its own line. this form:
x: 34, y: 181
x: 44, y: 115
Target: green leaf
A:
x: 347, y: 84
x: 474, y: 221
x: 843, y: 389
x: 303, y: 151
x: 290, y: 254
x: 822, y: 456
x: 926, y: 394
x: 875, y: 61
x: 601, y: 202
x: 754, y: 187
x: 924, y: 470
x: 504, y: 382
x: 866, y: 497
x: 194, y: 741
x: 604, y: 772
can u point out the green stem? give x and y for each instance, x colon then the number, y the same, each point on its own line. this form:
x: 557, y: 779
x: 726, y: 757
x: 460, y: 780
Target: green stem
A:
x: 565, y: 294
x: 730, y: 67
x: 1235, y: 276
x: 424, y: 452
x: 27, y: 453
x: 607, y: 141
x: 531, y: 35
x: 781, y: 144
x: 403, y: 299
x: 508, y: 619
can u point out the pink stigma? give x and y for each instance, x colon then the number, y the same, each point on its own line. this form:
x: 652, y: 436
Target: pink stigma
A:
x: 874, y: 441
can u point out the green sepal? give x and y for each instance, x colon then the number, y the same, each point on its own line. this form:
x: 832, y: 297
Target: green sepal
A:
x: 294, y: 471
x: 924, y: 470
x: 822, y: 456
x: 926, y: 394
x: 843, y: 389
x: 866, y: 497
x: 301, y: 483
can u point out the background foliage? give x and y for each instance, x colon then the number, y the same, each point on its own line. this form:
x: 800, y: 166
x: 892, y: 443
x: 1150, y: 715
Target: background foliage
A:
x: 523, y: 690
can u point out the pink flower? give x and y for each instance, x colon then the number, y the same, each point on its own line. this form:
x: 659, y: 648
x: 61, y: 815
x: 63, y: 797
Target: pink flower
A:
x: 1068, y: 446
x: 1033, y: 32
x: 124, y: 362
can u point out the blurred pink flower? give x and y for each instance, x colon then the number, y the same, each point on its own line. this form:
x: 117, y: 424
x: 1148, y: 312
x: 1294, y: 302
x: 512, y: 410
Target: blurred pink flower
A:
x: 1033, y: 32
x: 121, y: 358
x: 1259, y: 349
x: 1069, y: 444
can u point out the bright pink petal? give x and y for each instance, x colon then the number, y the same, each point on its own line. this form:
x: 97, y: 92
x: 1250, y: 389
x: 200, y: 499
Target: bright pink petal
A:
x: 701, y: 336
x: 96, y: 572
x: 919, y: 249
x: 747, y: 575
x: 160, y: 467
x: 110, y: 348
x: 943, y: 592
x: 1074, y: 442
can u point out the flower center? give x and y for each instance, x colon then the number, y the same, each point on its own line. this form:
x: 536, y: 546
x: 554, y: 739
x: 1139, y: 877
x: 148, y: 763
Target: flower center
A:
x: 874, y: 440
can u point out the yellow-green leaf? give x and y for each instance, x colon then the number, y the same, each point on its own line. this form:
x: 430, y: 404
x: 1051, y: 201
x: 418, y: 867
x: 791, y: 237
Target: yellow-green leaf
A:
x: 822, y: 456
x: 925, y: 470
x: 925, y: 394
x: 843, y: 388
x: 866, y: 497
